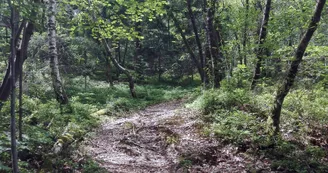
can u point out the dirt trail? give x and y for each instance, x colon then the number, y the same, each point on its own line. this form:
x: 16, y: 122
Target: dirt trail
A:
x: 162, y: 138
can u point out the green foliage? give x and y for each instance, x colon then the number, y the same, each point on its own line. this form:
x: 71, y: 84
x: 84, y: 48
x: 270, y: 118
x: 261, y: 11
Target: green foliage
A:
x: 185, y: 163
x: 117, y: 98
x: 4, y: 168
x: 237, y: 127
x: 291, y: 158
x: 240, y: 117
x: 91, y: 166
x: 113, y: 20
x: 80, y: 56
x: 214, y: 100
x: 47, y: 123
x: 307, y: 105
x: 239, y: 79
x: 233, y: 115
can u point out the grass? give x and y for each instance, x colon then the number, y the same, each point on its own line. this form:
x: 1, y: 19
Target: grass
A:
x: 118, y: 98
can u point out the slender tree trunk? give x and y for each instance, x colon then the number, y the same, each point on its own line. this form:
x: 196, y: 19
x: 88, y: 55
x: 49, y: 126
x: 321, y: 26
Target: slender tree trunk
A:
x: 190, y: 51
x: 109, y: 72
x: 240, y: 56
x: 55, y: 74
x: 245, y: 33
x: 118, y: 51
x: 125, y: 71
x: 209, y: 64
x: 137, y: 56
x: 13, y: 21
x: 123, y: 59
x: 212, y: 40
x: 198, y: 42
x: 20, y: 102
x: 261, y: 49
x: 289, y: 79
x: 85, y: 70
x: 5, y: 86
x: 20, y: 96
x: 213, y: 43
x: 119, y: 58
x: 168, y: 32
x: 159, y: 67
x: 125, y: 52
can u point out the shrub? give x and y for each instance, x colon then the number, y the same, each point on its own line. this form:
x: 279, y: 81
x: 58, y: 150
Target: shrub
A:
x: 213, y: 100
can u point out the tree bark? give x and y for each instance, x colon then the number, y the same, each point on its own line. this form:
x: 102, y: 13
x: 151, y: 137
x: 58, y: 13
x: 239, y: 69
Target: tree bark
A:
x: 125, y: 71
x: 191, y: 53
x: 245, y: 33
x: 20, y: 96
x: 213, y: 43
x: 13, y: 21
x: 55, y: 74
x: 125, y: 52
x: 137, y: 56
x: 289, y: 79
x: 109, y: 72
x: 261, y: 49
x: 20, y: 111
x: 5, y: 86
x: 198, y: 42
x: 85, y: 73
x: 119, y: 58
x: 159, y: 67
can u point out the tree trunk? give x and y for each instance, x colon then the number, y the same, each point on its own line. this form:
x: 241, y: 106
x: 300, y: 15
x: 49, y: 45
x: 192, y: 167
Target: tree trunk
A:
x: 20, y: 111
x: 20, y: 96
x: 198, y: 42
x: 213, y: 43
x: 125, y: 71
x: 109, y: 72
x: 191, y: 53
x: 5, y: 86
x: 212, y: 40
x: 85, y: 70
x: 240, y: 56
x: 261, y: 49
x: 55, y: 74
x: 159, y: 67
x: 13, y: 22
x: 289, y: 79
x: 137, y: 55
x: 245, y: 33
x: 125, y: 52
x: 119, y: 58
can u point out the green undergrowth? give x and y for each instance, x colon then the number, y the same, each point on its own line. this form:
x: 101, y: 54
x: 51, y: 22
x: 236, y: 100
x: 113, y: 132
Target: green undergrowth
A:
x: 118, y: 99
x: 239, y: 116
x: 47, y: 124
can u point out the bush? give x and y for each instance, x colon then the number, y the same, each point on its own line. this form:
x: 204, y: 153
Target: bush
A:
x: 213, y: 100
x: 239, y: 78
x: 240, y: 117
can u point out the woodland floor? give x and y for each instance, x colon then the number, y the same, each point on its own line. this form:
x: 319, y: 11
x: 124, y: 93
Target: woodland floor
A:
x: 165, y: 138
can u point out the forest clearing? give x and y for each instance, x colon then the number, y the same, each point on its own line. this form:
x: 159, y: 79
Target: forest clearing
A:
x: 163, y: 86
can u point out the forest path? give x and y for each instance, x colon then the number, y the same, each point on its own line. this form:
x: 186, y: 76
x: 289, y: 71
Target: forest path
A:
x: 163, y: 138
